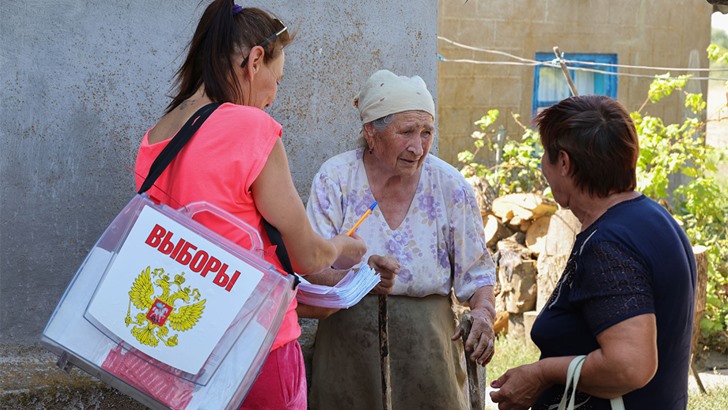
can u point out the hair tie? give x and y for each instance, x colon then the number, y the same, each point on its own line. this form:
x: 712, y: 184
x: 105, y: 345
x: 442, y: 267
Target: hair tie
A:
x: 237, y: 9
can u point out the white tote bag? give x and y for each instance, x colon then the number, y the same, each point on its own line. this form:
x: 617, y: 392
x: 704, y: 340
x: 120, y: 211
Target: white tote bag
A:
x: 168, y: 311
x: 572, y: 380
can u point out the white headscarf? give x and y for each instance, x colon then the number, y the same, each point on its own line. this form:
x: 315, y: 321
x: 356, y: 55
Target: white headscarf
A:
x: 386, y: 93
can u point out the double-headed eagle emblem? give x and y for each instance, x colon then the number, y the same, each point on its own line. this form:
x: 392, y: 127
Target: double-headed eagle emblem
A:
x: 154, y: 312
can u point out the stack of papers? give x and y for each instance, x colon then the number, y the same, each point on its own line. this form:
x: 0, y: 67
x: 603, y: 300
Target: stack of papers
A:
x: 348, y: 292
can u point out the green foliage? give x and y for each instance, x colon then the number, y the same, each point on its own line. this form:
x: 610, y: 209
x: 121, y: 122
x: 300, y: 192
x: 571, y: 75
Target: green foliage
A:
x: 717, y: 50
x: 662, y: 86
x: 719, y: 38
x: 700, y: 204
x: 517, y: 164
x: 717, y: 54
x: 675, y: 167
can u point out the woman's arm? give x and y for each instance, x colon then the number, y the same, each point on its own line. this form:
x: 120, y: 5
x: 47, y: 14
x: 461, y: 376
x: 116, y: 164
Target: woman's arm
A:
x: 625, y: 361
x: 314, y: 312
x: 277, y: 200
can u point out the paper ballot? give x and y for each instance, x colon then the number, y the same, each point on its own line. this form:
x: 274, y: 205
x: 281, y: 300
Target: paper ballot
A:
x: 348, y: 292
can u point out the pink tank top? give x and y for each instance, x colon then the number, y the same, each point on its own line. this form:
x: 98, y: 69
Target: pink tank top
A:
x: 219, y: 165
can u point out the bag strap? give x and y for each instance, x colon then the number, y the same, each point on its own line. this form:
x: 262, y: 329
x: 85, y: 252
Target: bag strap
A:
x: 176, y: 144
x: 572, y: 380
x: 281, y: 252
x: 617, y: 404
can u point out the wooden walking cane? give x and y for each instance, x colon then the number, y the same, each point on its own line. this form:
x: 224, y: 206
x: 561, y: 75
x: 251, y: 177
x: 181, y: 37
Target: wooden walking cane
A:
x: 476, y: 402
x: 384, y: 353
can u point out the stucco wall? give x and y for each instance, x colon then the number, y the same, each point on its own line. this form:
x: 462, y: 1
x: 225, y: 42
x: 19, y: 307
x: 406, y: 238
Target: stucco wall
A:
x: 641, y: 32
x: 83, y: 80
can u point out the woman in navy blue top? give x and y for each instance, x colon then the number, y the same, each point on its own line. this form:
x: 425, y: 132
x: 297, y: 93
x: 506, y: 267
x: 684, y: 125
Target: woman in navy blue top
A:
x: 626, y: 296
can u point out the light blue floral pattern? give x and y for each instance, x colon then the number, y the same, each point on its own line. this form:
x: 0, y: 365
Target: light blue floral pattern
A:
x: 440, y: 244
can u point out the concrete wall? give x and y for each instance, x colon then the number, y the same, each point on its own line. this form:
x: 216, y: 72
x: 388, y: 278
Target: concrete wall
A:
x: 641, y: 32
x: 82, y: 81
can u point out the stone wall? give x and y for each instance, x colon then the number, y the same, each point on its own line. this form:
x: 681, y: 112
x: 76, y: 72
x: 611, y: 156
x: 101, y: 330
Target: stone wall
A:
x: 83, y: 80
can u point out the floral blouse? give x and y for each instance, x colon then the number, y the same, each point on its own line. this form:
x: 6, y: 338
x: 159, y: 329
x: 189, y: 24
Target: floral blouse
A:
x: 440, y: 244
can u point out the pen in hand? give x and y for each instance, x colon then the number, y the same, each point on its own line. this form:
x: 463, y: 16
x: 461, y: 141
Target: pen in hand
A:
x: 363, y: 217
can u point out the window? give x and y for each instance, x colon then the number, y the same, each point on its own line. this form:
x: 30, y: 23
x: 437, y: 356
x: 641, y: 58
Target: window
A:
x: 550, y: 86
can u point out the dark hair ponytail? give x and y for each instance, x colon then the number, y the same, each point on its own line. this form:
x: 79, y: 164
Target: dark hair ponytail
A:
x: 219, y: 35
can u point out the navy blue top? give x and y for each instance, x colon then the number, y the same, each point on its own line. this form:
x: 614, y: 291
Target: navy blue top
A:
x: 634, y: 259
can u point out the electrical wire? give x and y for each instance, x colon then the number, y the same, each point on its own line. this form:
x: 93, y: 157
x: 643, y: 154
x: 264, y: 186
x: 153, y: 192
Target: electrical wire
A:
x: 465, y: 60
x: 642, y: 67
x: 502, y: 53
x: 554, y: 64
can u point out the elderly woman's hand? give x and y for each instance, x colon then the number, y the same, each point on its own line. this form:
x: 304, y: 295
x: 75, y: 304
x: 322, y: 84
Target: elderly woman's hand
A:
x: 481, y: 340
x: 387, y: 267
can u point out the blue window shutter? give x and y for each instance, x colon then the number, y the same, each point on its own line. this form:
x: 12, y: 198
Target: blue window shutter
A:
x: 550, y: 87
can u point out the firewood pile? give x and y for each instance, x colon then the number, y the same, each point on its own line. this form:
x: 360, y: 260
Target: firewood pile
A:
x: 530, y: 239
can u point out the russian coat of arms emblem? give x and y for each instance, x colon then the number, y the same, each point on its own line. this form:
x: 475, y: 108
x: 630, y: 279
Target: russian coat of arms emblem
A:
x: 159, y: 303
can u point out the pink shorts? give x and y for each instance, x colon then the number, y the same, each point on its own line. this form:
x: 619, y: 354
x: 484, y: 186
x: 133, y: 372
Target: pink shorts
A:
x: 281, y: 383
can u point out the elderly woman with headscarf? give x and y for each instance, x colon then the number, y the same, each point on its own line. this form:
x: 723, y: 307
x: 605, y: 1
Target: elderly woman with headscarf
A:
x: 425, y: 238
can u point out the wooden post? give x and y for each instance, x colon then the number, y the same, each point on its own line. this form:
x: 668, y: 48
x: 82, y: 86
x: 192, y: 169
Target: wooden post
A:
x: 572, y: 87
x: 701, y: 284
x: 384, y: 353
x: 476, y: 402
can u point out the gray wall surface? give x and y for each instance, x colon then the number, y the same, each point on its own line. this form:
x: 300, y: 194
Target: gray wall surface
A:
x: 83, y: 80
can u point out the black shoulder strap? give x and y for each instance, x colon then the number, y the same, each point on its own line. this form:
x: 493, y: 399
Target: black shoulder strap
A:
x: 281, y: 252
x: 176, y: 144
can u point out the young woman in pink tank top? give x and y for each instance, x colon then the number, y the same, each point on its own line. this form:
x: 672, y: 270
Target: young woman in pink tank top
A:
x: 237, y: 161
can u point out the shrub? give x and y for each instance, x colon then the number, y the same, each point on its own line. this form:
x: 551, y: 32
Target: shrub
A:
x: 678, y: 169
x: 518, y: 163
x: 675, y: 168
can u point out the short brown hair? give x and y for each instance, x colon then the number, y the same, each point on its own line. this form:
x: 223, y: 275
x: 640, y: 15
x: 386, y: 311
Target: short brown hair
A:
x: 600, y: 138
x: 219, y: 35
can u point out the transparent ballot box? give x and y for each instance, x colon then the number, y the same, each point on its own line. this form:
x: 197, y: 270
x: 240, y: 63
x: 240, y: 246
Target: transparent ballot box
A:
x: 168, y: 311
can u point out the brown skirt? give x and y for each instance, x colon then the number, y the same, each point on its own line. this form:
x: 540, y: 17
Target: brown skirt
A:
x: 427, y: 368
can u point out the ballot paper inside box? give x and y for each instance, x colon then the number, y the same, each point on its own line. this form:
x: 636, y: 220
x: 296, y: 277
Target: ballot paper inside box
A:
x: 170, y: 312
